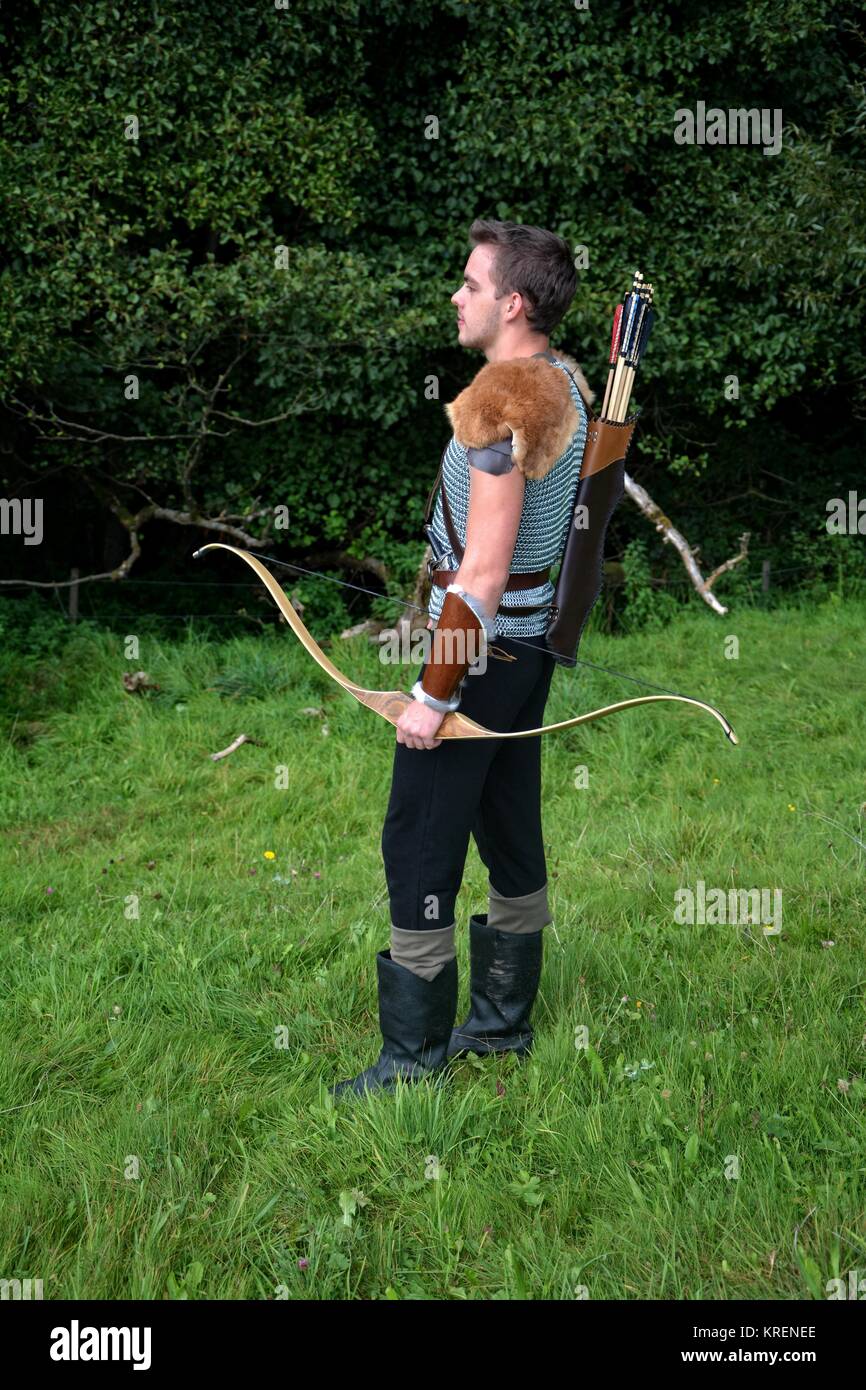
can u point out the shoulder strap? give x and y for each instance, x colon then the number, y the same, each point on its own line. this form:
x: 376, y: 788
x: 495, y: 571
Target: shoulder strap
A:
x: 551, y: 358
x: 453, y: 539
x: 432, y: 493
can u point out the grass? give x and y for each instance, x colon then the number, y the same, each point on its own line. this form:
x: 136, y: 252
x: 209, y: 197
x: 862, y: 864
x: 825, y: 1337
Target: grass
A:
x: 156, y: 1143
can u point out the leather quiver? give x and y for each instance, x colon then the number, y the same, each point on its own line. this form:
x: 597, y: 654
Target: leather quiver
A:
x: 599, y: 489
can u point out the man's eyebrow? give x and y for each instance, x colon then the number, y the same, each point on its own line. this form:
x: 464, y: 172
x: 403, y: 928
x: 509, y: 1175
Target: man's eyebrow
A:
x: 470, y: 281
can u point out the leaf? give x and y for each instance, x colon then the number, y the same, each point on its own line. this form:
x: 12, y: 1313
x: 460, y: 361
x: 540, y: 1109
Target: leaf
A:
x: 596, y: 1066
x: 265, y: 1209
x: 811, y: 1274
x: 348, y: 1206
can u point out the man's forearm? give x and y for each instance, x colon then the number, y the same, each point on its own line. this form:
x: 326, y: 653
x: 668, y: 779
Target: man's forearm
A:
x: 465, y: 627
x: 487, y: 586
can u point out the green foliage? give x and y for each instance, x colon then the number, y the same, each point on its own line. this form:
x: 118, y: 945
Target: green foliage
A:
x: 43, y: 662
x: 322, y: 605
x: 158, y: 257
x: 258, y: 677
x: 32, y: 626
x: 646, y: 607
x: 837, y: 564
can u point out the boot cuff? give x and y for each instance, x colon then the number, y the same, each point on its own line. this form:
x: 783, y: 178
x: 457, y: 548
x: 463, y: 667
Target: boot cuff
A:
x: 528, y: 913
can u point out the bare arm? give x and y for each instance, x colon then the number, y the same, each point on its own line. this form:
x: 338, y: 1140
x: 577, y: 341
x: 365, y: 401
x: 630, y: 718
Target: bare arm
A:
x: 495, y: 507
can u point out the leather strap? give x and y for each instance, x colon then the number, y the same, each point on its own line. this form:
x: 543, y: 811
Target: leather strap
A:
x: 453, y: 540
x: 432, y: 493
x: 442, y: 578
x: 514, y: 610
x: 516, y: 582
x: 550, y: 357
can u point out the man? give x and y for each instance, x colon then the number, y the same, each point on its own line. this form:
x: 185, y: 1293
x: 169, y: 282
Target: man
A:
x: 501, y: 520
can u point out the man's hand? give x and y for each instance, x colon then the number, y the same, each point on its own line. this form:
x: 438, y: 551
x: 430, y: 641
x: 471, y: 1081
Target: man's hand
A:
x: 417, y: 725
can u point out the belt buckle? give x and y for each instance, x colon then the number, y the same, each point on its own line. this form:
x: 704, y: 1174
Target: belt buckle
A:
x: 434, y: 561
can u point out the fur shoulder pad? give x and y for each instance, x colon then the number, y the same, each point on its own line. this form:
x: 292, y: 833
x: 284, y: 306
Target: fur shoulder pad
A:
x: 527, y: 398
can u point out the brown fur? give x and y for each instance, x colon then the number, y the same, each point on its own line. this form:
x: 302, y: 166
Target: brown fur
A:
x: 524, y: 397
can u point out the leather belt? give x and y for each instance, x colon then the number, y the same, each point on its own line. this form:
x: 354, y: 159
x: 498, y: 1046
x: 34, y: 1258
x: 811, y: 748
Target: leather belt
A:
x: 516, y: 582
x: 442, y: 578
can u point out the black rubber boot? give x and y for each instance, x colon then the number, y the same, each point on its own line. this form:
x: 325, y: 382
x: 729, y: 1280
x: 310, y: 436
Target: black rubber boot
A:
x: 505, y: 974
x: 416, y: 1017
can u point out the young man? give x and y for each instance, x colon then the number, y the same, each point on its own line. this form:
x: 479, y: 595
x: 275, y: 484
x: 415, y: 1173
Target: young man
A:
x: 509, y: 476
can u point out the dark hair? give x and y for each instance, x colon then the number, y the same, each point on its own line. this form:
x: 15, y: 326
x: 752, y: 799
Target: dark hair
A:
x: 531, y: 262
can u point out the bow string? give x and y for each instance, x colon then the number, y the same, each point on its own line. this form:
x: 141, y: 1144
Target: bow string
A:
x: 390, y: 704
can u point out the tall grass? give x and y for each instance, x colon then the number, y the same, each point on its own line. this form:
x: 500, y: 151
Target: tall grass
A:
x: 158, y: 1141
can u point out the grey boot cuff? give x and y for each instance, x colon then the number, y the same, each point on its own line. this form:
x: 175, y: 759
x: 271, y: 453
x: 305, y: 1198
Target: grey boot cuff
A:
x: 424, y: 952
x: 528, y: 913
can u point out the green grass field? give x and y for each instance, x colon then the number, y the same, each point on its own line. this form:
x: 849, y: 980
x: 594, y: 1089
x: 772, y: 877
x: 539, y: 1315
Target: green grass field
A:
x: 157, y: 1143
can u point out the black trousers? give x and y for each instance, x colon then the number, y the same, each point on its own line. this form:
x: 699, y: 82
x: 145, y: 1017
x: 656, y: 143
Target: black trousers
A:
x: 489, y: 788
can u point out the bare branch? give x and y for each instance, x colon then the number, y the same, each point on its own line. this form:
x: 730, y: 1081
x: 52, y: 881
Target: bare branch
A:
x: 133, y: 524
x: 236, y: 743
x: 729, y: 564
x: 206, y: 523
x: 95, y: 435
x: 297, y: 409
x: 687, y: 553
x: 340, y: 559
x: 63, y: 583
x: 197, y: 448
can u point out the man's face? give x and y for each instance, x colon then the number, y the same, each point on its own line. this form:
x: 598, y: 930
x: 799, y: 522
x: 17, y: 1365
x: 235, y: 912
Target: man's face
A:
x: 479, y: 312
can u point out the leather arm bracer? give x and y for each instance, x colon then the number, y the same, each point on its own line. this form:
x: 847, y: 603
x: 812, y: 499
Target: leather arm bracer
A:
x: 460, y: 636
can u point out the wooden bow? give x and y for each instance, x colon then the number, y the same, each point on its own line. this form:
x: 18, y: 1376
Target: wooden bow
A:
x: 390, y: 704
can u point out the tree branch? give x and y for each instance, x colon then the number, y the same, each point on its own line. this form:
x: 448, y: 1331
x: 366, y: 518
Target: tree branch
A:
x: 132, y: 525
x: 687, y: 553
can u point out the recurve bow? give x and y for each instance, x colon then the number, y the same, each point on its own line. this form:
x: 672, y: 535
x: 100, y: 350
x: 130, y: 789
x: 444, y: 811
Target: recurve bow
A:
x: 390, y: 704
